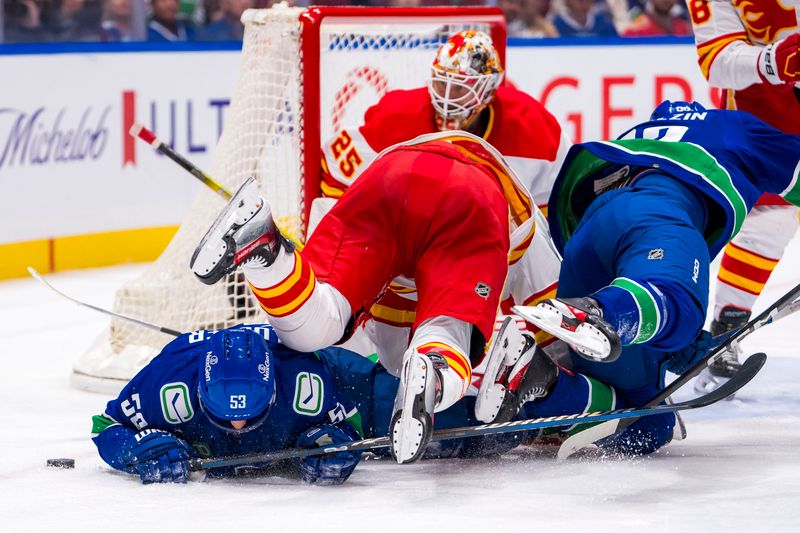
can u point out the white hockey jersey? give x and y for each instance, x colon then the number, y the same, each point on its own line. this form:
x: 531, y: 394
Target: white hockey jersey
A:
x: 534, y: 264
x: 731, y: 33
x: 520, y: 128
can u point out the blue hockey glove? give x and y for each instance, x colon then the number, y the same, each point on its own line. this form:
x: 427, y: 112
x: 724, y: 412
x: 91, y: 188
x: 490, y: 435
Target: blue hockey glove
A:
x: 160, y: 457
x: 682, y: 360
x: 172, y: 467
x: 330, y: 469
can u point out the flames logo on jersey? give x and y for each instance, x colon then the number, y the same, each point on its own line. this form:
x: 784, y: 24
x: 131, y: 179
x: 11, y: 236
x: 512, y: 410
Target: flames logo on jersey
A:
x: 765, y: 19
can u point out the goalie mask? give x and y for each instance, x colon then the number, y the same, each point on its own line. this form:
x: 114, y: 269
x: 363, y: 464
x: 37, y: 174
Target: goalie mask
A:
x: 464, y: 78
x: 237, y: 381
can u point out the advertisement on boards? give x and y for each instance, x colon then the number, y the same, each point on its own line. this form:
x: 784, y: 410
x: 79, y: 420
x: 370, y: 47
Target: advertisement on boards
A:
x: 597, y: 92
x: 67, y: 164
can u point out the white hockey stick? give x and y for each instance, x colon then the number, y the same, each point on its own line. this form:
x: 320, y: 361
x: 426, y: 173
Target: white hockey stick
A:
x: 32, y: 271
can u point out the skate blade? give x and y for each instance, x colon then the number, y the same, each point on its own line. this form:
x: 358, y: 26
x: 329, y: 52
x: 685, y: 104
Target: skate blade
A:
x: 408, y: 433
x: 214, y: 245
x: 586, y: 339
x: 407, y: 436
x: 491, y: 394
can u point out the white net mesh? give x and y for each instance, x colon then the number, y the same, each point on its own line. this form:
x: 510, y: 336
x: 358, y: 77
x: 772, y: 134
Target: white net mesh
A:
x: 360, y: 58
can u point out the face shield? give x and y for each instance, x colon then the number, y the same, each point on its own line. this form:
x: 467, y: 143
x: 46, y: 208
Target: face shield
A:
x: 458, y: 98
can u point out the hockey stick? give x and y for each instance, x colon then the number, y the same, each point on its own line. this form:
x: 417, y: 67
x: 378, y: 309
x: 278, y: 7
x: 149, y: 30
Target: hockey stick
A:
x: 140, y: 132
x: 748, y: 370
x: 784, y: 306
x: 32, y: 271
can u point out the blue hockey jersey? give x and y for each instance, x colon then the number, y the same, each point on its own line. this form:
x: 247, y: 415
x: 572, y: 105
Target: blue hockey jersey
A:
x: 311, y: 389
x: 331, y: 386
x: 731, y: 157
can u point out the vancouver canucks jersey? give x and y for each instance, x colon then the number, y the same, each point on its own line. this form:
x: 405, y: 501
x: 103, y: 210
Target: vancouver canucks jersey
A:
x: 163, y: 395
x: 731, y: 157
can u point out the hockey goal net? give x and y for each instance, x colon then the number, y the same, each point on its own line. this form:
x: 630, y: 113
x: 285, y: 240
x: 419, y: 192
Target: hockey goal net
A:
x: 304, y: 74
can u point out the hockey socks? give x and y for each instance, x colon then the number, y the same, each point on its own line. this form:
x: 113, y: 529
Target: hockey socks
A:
x: 636, y: 310
x: 434, y: 377
x: 572, y: 393
x: 307, y: 315
x: 666, y: 315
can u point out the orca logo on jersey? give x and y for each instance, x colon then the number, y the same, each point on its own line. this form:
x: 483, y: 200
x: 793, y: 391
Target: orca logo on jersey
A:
x: 309, y: 392
x: 175, y: 403
x: 658, y: 253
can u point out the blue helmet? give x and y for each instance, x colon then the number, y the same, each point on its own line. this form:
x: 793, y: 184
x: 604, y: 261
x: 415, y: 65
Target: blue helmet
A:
x: 237, y: 380
x: 667, y: 109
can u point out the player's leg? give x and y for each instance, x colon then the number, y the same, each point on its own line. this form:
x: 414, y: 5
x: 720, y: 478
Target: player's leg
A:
x: 746, y: 265
x: 436, y: 373
x: 311, y: 297
x: 638, y: 262
x: 460, y: 262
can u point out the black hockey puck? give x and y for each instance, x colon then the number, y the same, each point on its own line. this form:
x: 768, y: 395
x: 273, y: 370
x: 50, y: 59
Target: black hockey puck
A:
x: 61, y: 463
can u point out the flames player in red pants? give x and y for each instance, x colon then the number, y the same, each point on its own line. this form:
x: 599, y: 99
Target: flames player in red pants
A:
x: 445, y: 214
x: 750, y: 49
x: 465, y: 92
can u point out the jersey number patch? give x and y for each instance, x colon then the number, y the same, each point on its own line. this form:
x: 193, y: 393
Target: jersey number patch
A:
x: 346, y: 155
x: 700, y: 11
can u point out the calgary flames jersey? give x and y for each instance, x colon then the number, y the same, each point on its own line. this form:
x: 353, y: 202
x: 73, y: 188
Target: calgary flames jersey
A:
x: 520, y: 128
x: 730, y: 35
x: 534, y: 264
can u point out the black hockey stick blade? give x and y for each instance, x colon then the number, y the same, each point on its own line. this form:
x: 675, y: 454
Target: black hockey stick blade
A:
x: 743, y: 376
x: 783, y: 306
x: 748, y: 370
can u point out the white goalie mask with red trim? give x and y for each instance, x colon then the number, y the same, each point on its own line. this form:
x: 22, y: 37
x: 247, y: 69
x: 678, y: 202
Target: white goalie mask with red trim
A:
x: 465, y: 76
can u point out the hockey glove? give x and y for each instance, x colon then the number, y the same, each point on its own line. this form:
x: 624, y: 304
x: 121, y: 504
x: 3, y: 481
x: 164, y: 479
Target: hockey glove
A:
x: 330, y: 469
x: 160, y: 457
x: 778, y: 63
x: 682, y: 360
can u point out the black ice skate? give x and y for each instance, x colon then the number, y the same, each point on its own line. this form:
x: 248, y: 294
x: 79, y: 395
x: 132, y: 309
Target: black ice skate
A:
x: 727, y: 364
x: 243, y: 231
x: 514, y: 371
x: 412, y: 419
x: 578, y: 322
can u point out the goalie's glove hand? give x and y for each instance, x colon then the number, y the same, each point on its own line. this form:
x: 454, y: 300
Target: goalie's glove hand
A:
x: 160, y: 457
x: 779, y: 62
x: 682, y: 360
x: 329, y: 469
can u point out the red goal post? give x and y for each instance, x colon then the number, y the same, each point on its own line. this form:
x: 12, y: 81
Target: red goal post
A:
x: 304, y: 73
x: 490, y: 19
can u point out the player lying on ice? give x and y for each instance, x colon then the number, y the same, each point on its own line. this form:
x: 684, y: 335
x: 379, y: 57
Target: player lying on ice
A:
x: 238, y: 391
x: 637, y: 221
x: 442, y: 218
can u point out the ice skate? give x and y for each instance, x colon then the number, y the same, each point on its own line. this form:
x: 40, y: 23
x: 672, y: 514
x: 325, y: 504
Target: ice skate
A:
x: 727, y: 364
x: 506, y: 383
x: 243, y: 231
x: 578, y: 322
x: 412, y: 421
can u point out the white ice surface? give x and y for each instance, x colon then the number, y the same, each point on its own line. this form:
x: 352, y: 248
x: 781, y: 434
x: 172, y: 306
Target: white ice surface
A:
x: 737, y: 471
